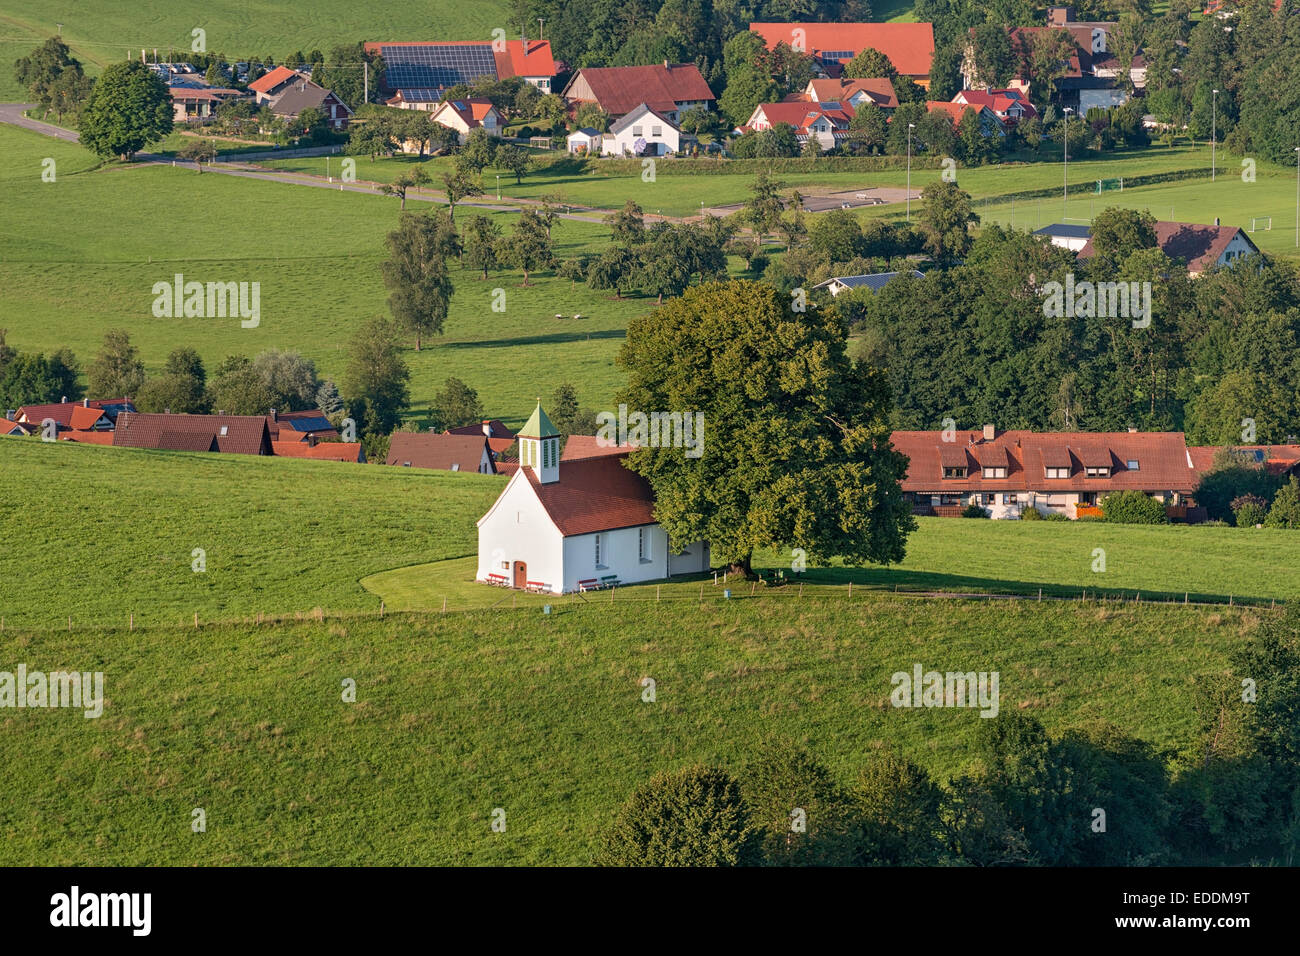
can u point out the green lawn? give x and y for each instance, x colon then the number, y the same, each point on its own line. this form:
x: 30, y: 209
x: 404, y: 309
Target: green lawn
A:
x: 538, y: 715
x: 84, y: 253
x: 681, y: 195
x: 100, y: 533
x: 965, y: 556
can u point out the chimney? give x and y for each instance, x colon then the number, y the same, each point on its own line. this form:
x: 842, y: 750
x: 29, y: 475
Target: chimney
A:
x: 64, y: 400
x: 487, y: 428
x: 1132, y: 430
x: 1216, y: 221
x: 85, y: 403
x: 9, y: 414
x: 274, y: 417
x: 990, y: 433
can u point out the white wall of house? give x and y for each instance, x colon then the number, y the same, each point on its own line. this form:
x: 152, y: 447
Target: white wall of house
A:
x: 1238, y: 247
x: 620, y: 555
x: 661, y: 137
x: 1106, y: 99
x: 517, y: 528
x: 694, y: 559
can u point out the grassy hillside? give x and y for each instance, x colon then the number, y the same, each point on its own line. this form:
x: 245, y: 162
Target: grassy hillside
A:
x: 106, y: 236
x: 539, y: 715
x: 286, y: 536
x: 97, y: 533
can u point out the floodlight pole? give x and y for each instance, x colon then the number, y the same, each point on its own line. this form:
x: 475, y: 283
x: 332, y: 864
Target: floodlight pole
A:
x: 1297, y: 197
x: 1065, y: 179
x: 1214, y: 132
x: 910, y: 127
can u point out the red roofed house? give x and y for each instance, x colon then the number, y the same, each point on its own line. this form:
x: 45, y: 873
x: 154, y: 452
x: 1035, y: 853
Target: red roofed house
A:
x: 1278, y: 460
x: 1201, y: 247
x: 270, y: 85
x: 499, y: 437
x: 441, y: 452
x: 989, y: 123
x: 8, y: 427
x: 818, y: 121
x: 909, y: 46
x: 1010, y: 106
x: 1006, y: 472
x: 570, y: 524
x: 851, y: 93
x: 320, y: 451
x: 669, y: 89
x: 420, y: 71
x: 86, y: 415
x: 236, y: 434
x: 465, y: 115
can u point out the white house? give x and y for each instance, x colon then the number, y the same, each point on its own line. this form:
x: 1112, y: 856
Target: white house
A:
x: 585, y: 140
x: 644, y: 132
x: 573, y: 524
x: 468, y: 114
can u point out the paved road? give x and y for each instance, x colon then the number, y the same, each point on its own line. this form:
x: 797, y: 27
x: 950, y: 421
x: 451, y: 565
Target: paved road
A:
x: 12, y: 114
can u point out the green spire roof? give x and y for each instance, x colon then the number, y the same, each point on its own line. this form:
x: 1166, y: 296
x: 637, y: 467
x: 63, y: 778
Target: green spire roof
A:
x: 538, y: 425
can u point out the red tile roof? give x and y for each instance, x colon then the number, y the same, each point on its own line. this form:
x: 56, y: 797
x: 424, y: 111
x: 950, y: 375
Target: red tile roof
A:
x: 62, y: 412
x: 589, y: 446
x: 530, y: 58
x: 237, y: 434
x: 621, y: 89
x: 426, y: 450
x: 265, y: 84
x: 525, y: 58
x: 323, y: 451
x: 999, y: 101
x: 880, y: 90
x: 801, y: 115
x: 595, y: 494
x: 85, y: 418
x: 1163, y: 461
x: 1200, y: 246
x: 87, y: 438
x: 954, y: 110
x: 11, y: 428
x: 909, y: 46
x: 495, y: 429
x: 1276, y: 459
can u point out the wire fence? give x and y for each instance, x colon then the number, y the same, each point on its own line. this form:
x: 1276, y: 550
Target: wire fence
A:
x: 717, y: 594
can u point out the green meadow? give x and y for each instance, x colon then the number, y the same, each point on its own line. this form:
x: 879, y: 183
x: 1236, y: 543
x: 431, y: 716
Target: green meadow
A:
x: 82, y: 254
x: 540, y: 716
x: 285, y: 537
x: 102, y: 32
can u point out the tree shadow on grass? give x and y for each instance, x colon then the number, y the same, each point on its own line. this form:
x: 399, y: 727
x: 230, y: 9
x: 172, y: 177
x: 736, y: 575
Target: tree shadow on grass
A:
x: 555, y: 338
x: 901, y: 579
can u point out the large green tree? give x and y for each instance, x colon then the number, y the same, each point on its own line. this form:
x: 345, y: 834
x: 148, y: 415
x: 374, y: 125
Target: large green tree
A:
x: 417, y: 275
x: 795, y: 448
x: 128, y: 109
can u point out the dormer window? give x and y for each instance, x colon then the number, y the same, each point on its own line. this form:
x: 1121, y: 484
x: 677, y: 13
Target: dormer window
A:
x: 1098, y: 471
x: 1058, y: 472
x: 955, y: 472
x: 995, y: 472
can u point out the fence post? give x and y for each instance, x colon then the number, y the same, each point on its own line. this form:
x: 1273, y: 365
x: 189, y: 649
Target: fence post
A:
x: 801, y: 589
x: 444, y: 604
x: 131, y: 624
x: 850, y: 590
x: 69, y: 622
x: 752, y: 585
x: 656, y: 593
x: 612, y: 589
x: 1040, y: 594
x: 196, y: 618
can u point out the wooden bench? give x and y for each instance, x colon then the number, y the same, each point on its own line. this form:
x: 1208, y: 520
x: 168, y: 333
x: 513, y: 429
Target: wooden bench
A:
x: 499, y: 580
x: 609, y: 581
x: 536, y: 586
x: 591, y: 584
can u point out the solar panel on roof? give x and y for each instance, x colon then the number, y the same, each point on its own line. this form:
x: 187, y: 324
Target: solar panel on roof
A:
x: 309, y: 424
x: 437, y: 66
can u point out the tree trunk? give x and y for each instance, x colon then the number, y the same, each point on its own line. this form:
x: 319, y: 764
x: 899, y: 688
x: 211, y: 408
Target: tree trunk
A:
x: 744, y: 566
